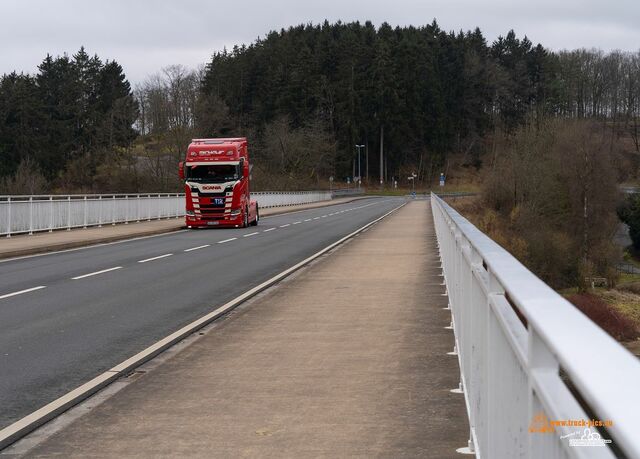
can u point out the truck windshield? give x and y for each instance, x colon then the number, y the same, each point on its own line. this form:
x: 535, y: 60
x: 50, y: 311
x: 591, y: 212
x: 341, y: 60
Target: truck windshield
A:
x: 213, y: 174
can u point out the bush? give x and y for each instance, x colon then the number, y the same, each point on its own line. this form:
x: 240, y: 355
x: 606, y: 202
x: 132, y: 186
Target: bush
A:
x: 606, y: 316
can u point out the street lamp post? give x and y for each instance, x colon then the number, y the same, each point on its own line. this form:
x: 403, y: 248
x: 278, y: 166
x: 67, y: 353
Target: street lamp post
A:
x: 359, y: 173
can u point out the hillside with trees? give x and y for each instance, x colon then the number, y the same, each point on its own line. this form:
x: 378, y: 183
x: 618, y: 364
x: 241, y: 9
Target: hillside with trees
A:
x: 305, y: 96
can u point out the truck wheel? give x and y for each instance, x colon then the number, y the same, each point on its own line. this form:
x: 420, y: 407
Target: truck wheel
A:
x: 255, y: 222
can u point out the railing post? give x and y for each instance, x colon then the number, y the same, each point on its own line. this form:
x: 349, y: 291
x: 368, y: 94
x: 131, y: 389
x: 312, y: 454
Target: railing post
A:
x: 50, y: 214
x: 138, y: 209
x: 100, y: 211
x: 85, y: 213
x: 148, y: 207
x: 69, y: 213
x: 126, y: 206
x: 30, y: 215
x: 113, y: 214
x: 9, y: 216
x: 159, y: 208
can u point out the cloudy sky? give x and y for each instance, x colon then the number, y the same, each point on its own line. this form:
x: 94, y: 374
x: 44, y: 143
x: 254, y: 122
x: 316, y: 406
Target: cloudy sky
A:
x: 146, y: 35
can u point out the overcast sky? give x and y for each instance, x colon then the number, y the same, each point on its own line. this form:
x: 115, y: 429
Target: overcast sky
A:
x: 146, y: 35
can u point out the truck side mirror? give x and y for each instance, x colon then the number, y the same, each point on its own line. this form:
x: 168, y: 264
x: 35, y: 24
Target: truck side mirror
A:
x: 181, y: 170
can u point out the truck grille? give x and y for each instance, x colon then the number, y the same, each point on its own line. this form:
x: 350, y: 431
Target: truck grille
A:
x: 206, y: 206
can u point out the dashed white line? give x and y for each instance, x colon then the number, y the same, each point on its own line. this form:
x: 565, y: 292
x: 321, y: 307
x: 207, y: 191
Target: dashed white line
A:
x: 324, y: 216
x: 307, y: 220
x: 296, y: 223
x: 96, y: 273
x: 197, y: 248
x: 267, y: 230
x: 316, y: 218
x: 155, y: 258
x: 227, y: 240
x: 284, y: 226
x: 330, y: 215
x: 22, y: 291
x: 251, y: 234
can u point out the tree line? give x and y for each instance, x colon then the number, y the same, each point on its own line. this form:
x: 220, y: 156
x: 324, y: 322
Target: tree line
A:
x: 65, y: 121
x: 305, y: 96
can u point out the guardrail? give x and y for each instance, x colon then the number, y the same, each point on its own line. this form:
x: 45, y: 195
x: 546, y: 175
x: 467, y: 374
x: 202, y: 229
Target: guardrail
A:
x: 289, y: 198
x: 340, y: 192
x: 29, y: 214
x: 528, y: 358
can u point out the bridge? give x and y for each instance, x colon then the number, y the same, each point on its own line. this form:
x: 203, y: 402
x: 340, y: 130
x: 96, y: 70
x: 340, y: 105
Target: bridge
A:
x: 383, y: 326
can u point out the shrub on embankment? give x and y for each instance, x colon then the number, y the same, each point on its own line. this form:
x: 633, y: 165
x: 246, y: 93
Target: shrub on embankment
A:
x: 617, y: 324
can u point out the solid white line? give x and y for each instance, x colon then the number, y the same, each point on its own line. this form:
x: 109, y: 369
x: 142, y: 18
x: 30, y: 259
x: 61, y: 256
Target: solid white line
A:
x: 251, y: 234
x: 297, y: 223
x: 227, y: 240
x: 270, y: 229
x: 284, y: 226
x: 22, y: 291
x: 196, y: 248
x: 156, y: 258
x: 96, y: 273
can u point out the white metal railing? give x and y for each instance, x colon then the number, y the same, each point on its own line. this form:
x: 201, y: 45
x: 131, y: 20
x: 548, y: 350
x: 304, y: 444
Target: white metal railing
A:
x: 289, y: 198
x: 528, y: 358
x: 30, y: 214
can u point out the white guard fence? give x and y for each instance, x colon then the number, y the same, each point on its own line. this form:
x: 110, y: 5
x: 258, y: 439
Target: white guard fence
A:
x: 282, y: 198
x: 529, y: 360
x: 30, y: 214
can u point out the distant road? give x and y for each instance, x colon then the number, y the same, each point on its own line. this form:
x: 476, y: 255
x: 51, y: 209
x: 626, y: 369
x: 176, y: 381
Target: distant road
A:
x: 66, y: 317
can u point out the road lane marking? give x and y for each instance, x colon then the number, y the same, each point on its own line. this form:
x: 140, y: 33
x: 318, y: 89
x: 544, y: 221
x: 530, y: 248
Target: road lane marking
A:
x: 197, y: 248
x: 227, y: 240
x: 156, y: 258
x: 316, y: 218
x: 251, y: 234
x: 96, y: 273
x: 324, y: 216
x: 267, y: 230
x: 284, y: 226
x: 22, y: 291
x: 297, y: 223
x: 307, y: 220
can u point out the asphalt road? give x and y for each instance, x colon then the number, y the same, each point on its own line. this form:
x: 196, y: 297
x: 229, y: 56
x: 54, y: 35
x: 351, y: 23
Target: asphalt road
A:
x: 67, y: 317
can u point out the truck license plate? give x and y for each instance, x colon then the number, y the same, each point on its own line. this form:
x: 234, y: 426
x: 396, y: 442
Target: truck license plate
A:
x: 212, y: 223
x: 218, y: 201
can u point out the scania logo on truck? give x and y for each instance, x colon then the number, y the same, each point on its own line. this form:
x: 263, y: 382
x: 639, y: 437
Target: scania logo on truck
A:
x: 207, y: 153
x: 211, y: 187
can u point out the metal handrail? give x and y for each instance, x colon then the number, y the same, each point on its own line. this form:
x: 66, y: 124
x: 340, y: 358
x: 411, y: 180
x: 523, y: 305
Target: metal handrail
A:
x: 35, y: 213
x: 526, y: 354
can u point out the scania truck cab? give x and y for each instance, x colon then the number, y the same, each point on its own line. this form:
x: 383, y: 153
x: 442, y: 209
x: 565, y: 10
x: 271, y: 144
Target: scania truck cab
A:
x: 217, y: 174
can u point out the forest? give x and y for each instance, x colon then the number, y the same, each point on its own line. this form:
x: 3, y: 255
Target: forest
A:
x: 305, y: 96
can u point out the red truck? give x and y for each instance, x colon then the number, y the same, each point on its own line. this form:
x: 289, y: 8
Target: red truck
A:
x: 217, y: 175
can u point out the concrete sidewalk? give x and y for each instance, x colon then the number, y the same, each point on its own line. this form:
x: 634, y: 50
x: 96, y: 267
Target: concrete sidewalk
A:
x: 23, y: 244
x: 346, y: 359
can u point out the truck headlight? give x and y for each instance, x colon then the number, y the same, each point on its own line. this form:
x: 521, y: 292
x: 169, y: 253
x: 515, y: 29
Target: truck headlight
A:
x: 190, y: 213
x: 235, y: 212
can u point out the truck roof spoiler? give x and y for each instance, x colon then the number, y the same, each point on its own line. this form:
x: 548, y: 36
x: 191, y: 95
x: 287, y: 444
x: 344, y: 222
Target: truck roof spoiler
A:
x: 219, y: 141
